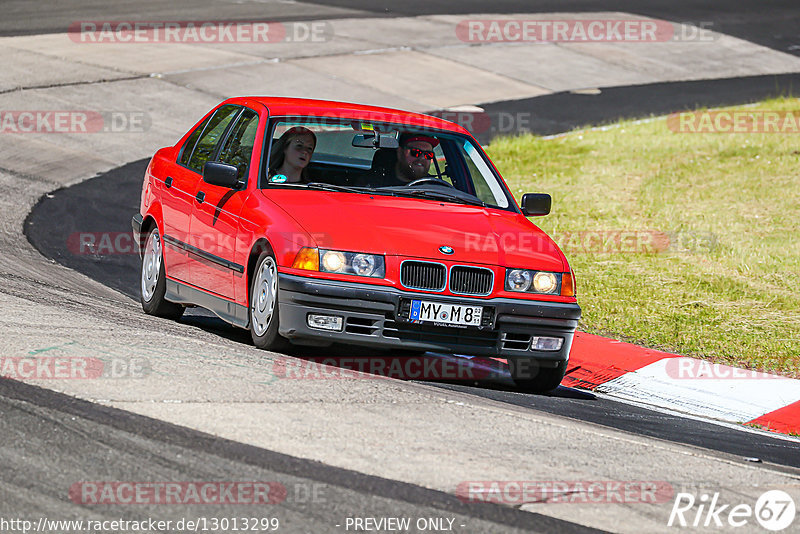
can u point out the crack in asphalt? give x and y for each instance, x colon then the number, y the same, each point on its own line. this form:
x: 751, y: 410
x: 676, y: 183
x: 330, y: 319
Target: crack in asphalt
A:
x: 75, y: 83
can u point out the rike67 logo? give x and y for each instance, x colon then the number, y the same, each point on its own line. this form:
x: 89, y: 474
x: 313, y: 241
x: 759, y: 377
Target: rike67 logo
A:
x: 774, y: 510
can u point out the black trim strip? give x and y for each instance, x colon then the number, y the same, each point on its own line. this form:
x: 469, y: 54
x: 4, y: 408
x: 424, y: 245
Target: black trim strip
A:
x: 203, y: 254
x: 136, y: 223
x: 226, y: 310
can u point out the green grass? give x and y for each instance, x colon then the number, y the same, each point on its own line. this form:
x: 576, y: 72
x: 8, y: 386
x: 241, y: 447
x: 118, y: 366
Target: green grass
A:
x: 727, y: 287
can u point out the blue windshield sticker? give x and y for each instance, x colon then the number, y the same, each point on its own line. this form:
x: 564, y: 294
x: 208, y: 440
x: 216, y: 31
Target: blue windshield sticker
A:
x: 278, y: 179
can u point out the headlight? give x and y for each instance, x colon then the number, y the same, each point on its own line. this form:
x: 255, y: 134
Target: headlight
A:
x: 364, y: 264
x: 334, y: 261
x: 523, y: 280
x: 518, y: 280
x: 545, y: 282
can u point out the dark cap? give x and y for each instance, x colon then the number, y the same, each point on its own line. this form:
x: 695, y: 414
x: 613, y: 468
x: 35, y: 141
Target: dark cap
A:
x: 410, y: 137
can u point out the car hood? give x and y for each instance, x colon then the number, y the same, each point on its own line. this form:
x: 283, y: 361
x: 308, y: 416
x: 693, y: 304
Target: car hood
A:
x: 417, y: 228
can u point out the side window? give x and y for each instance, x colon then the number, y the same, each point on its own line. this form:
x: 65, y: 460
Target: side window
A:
x: 487, y: 188
x: 188, y: 147
x: 211, y: 135
x: 238, y: 147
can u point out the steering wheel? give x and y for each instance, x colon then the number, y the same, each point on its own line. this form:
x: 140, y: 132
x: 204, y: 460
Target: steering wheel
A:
x: 427, y: 179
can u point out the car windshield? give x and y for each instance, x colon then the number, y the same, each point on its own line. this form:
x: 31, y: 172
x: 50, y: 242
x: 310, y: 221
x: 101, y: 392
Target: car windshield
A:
x: 353, y: 156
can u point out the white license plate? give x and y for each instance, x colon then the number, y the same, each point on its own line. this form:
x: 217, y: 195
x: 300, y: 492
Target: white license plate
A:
x: 446, y: 314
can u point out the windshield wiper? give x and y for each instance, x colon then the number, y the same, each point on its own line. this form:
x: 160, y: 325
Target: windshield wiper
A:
x: 439, y: 195
x: 331, y: 187
x: 320, y: 186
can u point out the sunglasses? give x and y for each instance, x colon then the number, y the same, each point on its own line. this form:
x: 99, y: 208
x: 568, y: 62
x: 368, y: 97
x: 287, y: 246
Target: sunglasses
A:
x: 417, y: 153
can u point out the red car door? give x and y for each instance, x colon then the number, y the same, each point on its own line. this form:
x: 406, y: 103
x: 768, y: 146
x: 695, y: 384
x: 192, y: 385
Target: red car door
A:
x: 215, y: 216
x: 176, y: 203
x: 180, y: 182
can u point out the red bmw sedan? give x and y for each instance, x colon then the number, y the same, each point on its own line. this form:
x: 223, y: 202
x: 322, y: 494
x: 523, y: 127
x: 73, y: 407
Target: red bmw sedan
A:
x: 312, y: 222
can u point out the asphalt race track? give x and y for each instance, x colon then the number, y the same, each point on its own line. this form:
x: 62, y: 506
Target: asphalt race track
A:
x: 51, y: 439
x: 316, y: 493
x: 772, y: 23
x: 120, y: 272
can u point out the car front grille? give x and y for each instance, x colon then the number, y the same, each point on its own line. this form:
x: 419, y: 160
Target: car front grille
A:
x: 362, y: 326
x: 423, y: 275
x: 466, y: 280
x: 515, y: 341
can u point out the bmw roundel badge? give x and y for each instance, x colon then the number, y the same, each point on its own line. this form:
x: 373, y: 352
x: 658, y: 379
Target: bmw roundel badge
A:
x: 444, y: 249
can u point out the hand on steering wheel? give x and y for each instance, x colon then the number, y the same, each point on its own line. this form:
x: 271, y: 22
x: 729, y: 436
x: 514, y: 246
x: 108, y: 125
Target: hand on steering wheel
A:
x: 436, y: 181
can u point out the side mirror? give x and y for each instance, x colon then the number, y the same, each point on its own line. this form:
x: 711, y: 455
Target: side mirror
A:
x: 536, y: 204
x: 221, y: 174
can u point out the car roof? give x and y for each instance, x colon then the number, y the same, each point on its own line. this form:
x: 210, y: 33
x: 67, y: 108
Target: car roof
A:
x: 279, y: 106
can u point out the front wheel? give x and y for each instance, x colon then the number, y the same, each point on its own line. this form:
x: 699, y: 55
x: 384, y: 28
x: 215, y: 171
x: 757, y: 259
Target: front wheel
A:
x: 531, y: 377
x: 264, y: 305
x: 154, y: 281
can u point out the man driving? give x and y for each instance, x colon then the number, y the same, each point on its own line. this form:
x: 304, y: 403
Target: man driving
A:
x: 414, y: 157
x: 411, y: 161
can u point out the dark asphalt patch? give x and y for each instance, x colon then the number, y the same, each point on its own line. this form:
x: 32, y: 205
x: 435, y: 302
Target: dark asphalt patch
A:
x: 565, y: 111
x: 101, y: 205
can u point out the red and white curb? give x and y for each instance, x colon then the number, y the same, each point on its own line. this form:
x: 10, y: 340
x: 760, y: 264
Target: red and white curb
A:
x: 686, y: 385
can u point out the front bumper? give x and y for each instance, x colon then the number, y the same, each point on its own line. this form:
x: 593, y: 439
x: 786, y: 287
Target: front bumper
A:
x: 371, y: 318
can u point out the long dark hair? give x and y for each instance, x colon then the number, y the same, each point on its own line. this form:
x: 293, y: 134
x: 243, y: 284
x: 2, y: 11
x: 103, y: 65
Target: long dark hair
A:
x: 278, y: 152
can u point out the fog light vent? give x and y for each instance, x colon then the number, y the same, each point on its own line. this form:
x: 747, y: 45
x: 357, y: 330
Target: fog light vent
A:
x: 325, y: 322
x: 550, y: 344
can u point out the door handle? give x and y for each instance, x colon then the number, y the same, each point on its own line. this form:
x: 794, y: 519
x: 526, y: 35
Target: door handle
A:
x: 168, y: 182
x: 200, y: 197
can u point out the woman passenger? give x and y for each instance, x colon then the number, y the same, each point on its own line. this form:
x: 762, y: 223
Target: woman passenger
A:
x: 290, y: 156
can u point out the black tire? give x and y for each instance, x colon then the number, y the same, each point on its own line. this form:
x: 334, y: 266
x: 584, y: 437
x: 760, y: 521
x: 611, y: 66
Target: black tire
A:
x: 263, y: 329
x: 530, y: 377
x: 153, y: 281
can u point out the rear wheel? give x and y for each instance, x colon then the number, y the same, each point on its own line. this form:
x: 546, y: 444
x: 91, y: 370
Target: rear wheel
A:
x: 154, y: 281
x: 531, y: 377
x: 264, y: 305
